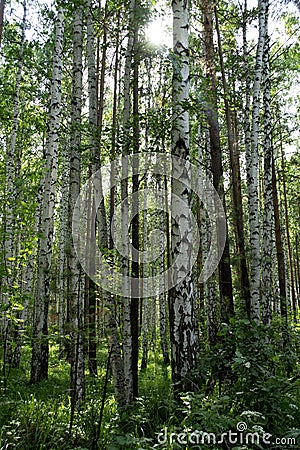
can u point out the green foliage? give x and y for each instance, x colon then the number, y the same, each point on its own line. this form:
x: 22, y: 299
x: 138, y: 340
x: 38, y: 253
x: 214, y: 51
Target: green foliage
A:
x: 257, y: 392
x: 38, y: 417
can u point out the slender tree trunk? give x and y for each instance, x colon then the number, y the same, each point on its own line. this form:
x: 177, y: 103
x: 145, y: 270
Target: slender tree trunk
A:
x: 153, y: 319
x: 75, y: 279
x: 63, y: 233
x: 252, y: 163
x: 279, y: 248
x: 114, y: 132
x: 268, y: 218
x: 11, y: 234
x: 210, y: 286
x: 162, y: 295
x: 116, y: 362
x: 145, y: 333
x: 94, y: 165
x: 146, y: 301
x: 287, y: 227
x: 225, y: 280
x: 297, y: 268
x: 101, y: 86
x: 181, y: 301
x: 2, y: 7
x: 134, y: 305
x: 127, y: 337
x: 40, y: 349
x: 236, y: 180
x: 116, y: 357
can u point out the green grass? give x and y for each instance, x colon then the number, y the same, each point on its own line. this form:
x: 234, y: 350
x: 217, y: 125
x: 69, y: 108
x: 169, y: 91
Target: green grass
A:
x: 38, y: 417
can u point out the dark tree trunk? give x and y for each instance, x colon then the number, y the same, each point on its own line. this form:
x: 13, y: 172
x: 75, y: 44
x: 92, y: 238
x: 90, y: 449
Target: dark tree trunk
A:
x: 287, y: 228
x: 225, y: 280
x: 236, y: 180
x: 279, y: 248
x: 134, y: 306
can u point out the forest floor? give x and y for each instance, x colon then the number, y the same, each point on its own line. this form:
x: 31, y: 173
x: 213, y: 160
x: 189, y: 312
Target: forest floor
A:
x: 258, y: 409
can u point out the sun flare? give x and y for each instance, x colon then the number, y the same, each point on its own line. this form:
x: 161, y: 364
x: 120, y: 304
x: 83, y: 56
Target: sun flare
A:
x: 158, y: 34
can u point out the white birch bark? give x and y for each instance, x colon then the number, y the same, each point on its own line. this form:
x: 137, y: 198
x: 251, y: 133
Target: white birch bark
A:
x: 61, y: 259
x: 162, y: 295
x: 2, y: 7
x: 93, y: 129
x: 27, y: 286
x: 146, y: 309
x: 182, y: 332
x: 12, y: 194
x: 96, y: 221
x: 127, y: 341
x: 145, y: 333
x: 253, y: 169
x: 153, y: 319
x: 40, y: 350
x: 268, y: 218
x: 75, y: 288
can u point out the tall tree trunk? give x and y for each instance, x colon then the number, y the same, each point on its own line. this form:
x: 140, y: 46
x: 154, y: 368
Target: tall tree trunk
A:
x: 40, y: 349
x: 153, y: 327
x: 113, y: 334
x: 63, y: 233
x: 268, y: 218
x: 297, y: 265
x: 11, y: 200
x: 162, y: 295
x: 2, y: 7
x: 134, y: 305
x: 252, y: 163
x: 236, y: 180
x: 181, y: 301
x: 210, y: 286
x: 225, y: 280
x: 127, y: 337
x: 279, y: 247
x: 297, y: 269
x: 287, y: 225
x: 145, y: 325
x: 75, y: 281
x: 93, y: 167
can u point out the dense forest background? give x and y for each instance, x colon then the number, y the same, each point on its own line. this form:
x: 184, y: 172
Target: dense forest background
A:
x: 150, y: 207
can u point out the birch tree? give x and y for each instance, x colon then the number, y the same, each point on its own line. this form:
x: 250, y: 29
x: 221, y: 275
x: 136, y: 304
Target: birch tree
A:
x: 145, y: 326
x: 75, y: 279
x: 113, y: 332
x: 252, y: 164
x: 61, y: 258
x: 181, y: 301
x: 40, y: 348
x: 162, y: 295
x: 94, y: 166
x: 2, y: 7
x: 127, y: 339
x: 279, y: 247
x: 135, y: 266
x: 12, y: 163
x: 268, y: 217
